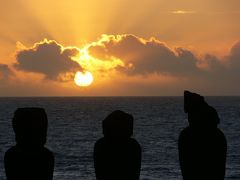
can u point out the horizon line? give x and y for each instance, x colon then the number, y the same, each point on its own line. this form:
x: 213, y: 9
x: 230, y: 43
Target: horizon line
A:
x: 103, y: 96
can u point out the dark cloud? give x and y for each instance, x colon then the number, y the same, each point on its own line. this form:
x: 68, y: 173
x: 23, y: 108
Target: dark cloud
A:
x: 5, y: 72
x: 228, y: 66
x: 142, y: 57
x: 231, y: 70
x: 48, y: 58
x: 145, y: 56
x: 233, y: 58
x: 223, y: 74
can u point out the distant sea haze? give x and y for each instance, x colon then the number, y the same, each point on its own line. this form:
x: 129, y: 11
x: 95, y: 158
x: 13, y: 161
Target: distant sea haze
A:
x: 75, y: 125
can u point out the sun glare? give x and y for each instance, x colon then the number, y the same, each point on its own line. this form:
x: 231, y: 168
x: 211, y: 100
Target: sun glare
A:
x: 83, y: 78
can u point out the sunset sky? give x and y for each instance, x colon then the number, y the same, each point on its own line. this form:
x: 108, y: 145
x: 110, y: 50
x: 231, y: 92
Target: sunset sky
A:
x: 140, y: 48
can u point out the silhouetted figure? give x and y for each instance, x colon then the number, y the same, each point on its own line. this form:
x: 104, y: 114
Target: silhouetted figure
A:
x: 117, y: 156
x: 202, y: 146
x: 29, y: 159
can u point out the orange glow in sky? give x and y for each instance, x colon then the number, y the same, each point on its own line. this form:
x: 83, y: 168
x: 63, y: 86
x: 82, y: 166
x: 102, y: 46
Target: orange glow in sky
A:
x: 153, y: 47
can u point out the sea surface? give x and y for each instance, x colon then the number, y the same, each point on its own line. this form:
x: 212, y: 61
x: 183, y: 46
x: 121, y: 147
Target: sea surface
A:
x: 75, y: 125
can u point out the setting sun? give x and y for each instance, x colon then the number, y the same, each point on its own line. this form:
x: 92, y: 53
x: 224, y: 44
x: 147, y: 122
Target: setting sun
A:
x: 83, y: 78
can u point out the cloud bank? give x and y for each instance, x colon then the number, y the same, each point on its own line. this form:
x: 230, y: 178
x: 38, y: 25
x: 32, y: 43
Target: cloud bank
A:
x: 150, y: 56
x: 143, y: 56
x: 50, y: 59
x: 138, y: 56
x: 140, y: 65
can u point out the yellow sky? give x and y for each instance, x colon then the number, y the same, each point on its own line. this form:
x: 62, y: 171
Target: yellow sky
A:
x: 202, y: 27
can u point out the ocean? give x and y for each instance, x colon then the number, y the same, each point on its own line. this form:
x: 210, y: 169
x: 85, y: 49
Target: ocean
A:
x: 75, y: 125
